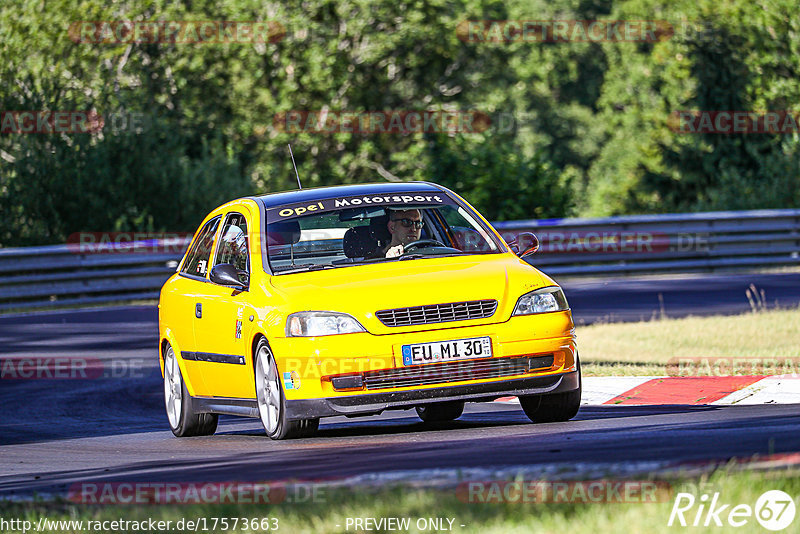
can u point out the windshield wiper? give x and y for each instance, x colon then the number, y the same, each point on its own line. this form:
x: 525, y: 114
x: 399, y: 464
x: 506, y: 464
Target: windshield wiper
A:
x: 412, y: 256
x: 309, y: 267
x: 367, y: 261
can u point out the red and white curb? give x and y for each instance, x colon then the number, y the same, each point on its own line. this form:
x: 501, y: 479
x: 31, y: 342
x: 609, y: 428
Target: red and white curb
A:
x: 695, y: 390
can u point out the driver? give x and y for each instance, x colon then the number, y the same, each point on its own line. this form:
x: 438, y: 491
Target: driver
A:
x: 405, y: 226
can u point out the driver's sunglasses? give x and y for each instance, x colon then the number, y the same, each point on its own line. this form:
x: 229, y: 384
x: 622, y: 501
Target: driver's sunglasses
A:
x: 408, y: 223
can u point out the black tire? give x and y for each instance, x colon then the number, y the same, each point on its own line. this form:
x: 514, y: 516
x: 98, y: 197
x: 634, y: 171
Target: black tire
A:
x: 557, y: 407
x: 440, y: 411
x: 272, y: 402
x: 182, y: 419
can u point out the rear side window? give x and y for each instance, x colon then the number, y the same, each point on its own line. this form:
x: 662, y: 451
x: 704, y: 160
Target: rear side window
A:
x: 199, y: 255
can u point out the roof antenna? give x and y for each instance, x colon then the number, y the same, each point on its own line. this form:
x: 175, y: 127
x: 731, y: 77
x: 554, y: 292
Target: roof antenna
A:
x: 295, y: 167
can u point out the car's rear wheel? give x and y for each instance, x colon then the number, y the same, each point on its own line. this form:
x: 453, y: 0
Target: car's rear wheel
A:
x: 183, y: 421
x: 272, y: 401
x: 440, y: 411
x: 555, y: 407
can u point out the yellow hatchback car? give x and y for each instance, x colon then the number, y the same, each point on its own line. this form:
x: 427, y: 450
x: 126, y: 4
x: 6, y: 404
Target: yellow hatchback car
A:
x: 353, y: 300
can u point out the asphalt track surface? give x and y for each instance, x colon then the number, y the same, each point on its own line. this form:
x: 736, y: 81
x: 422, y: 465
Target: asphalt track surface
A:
x: 55, y: 433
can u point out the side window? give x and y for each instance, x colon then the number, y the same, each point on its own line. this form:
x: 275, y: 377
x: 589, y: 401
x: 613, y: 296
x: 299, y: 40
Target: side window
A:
x: 198, y: 256
x: 233, y: 247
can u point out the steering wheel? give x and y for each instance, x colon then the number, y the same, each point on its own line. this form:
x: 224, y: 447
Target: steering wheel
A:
x: 422, y: 243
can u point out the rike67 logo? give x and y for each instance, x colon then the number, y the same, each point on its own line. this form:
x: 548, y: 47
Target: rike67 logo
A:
x: 774, y: 510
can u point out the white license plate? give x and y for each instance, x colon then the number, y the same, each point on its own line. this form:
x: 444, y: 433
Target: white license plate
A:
x: 445, y: 351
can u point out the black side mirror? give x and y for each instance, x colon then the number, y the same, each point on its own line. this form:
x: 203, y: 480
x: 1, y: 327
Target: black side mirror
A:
x: 225, y: 274
x: 524, y: 245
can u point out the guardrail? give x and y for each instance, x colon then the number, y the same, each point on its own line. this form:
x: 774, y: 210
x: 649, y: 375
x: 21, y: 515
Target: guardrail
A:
x: 40, y: 277
x: 60, y: 275
x: 643, y: 244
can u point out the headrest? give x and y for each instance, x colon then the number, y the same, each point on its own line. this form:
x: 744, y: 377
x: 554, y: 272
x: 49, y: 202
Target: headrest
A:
x: 358, y: 242
x: 283, y: 233
x: 379, y: 230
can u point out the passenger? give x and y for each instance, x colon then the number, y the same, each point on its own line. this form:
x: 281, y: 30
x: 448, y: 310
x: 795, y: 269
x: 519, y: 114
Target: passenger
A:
x: 405, y: 226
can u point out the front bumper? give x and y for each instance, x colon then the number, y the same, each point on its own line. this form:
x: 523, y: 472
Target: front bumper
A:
x: 312, y: 361
x: 375, y: 403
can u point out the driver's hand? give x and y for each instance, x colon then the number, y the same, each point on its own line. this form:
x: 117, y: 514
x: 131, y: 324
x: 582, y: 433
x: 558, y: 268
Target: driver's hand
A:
x: 395, y: 251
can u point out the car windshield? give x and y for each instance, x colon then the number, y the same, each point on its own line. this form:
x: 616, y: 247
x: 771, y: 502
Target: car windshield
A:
x: 352, y: 231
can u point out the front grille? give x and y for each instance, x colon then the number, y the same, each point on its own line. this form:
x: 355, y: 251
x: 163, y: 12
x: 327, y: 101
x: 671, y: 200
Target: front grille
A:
x: 420, y: 375
x: 438, y: 313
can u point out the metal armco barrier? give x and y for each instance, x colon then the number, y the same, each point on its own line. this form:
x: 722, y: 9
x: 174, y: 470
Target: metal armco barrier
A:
x: 40, y: 277
x: 58, y: 275
x: 673, y: 243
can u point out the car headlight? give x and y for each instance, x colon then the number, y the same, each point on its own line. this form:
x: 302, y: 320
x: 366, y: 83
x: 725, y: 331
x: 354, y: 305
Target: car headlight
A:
x: 321, y: 323
x: 544, y: 300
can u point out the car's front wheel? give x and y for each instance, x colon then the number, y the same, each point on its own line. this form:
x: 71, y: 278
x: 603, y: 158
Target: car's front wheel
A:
x: 440, y: 411
x: 555, y: 407
x: 183, y: 421
x: 272, y: 402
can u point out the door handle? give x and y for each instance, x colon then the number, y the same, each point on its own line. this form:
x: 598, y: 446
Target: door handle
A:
x: 198, y: 310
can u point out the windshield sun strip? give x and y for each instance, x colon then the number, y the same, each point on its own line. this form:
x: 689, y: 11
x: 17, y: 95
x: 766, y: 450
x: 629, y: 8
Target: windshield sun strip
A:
x: 450, y: 200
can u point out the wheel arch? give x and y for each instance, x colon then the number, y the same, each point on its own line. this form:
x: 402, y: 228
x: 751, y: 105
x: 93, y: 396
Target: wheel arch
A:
x: 162, y: 349
x: 254, y: 345
x: 169, y: 337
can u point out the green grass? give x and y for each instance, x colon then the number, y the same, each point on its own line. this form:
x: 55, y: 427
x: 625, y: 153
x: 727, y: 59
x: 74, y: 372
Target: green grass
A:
x: 330, y: 516
x: 645, y: 348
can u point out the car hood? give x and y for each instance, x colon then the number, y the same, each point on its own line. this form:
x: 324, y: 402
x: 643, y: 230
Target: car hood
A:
x: 364, y: 289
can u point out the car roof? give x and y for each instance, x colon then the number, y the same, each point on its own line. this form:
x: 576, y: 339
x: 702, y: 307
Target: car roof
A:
x: 321, y: 193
